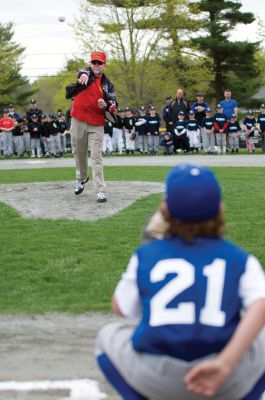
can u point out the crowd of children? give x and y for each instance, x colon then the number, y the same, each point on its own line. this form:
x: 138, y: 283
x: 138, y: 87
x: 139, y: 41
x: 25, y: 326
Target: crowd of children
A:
x: 213, y: 134
x: 35, y: 134
x: 38, y: 134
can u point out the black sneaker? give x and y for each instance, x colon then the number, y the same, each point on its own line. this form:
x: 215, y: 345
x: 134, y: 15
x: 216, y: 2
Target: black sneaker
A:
x: 80, y: 186
x: 101, y: 197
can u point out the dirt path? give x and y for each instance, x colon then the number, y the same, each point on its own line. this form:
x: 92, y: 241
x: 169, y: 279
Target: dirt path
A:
x: 50, y: 347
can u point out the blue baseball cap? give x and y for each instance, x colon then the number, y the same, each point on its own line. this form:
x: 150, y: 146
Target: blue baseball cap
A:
x: 192, y: 193
x: 208, y: 110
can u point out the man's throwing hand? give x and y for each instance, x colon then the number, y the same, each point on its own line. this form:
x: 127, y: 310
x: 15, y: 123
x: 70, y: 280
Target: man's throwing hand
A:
x: 83, y: 79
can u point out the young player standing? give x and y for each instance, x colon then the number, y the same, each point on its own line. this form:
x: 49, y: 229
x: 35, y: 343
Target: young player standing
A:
x: 188, y: 290
x: 193, y: 132
x: 261, y: 125
x: 220, y: 125
x: 180, y: 138
x: 233, y: 131
x: 153, y: 125
x: 129, y: 130
x: 6, y: 128
x: 208, y: 132
x: 141, y: 128
x: 249, y: 126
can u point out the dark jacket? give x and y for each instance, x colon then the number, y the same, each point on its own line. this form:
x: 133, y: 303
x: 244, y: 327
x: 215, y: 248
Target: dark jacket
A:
x: 107, y: 86
x: 175, y: 107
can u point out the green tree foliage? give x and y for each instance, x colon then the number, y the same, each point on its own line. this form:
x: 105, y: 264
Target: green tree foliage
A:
x: 14, y: 88
x: 232, y: 63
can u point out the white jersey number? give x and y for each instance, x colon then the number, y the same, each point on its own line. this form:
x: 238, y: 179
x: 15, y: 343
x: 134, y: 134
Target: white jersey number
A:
x: 211, y: 314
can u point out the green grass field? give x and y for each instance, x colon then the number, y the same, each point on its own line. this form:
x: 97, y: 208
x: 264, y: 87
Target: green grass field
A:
x: 73, y: 266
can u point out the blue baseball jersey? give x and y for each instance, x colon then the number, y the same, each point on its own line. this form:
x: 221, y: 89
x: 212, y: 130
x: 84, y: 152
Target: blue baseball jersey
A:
x: 179, y: 126
x: 228, y: 107
x: 261, y: 122
x: 233, y: 127
x: 207, y: 123
x: 192, y: 125
x: 153, y: 124
x: 189, y: 296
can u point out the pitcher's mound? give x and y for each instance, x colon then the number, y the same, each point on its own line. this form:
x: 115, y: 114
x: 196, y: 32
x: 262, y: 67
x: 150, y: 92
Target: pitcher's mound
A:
x: 56, y: 200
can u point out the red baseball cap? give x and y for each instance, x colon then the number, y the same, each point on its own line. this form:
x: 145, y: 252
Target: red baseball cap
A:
x: 98, y: 56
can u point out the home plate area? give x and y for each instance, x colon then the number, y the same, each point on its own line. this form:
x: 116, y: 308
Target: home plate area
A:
x: 56, y: 200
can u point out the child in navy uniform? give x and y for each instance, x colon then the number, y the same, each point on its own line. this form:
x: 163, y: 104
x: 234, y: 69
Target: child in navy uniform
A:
x: 107, y: 140
x: 208, y: 133
x: 233, y: 130
x: 153, y: 125
x: 249, y: 126
x: 220, y: 125
x: 188, y: 289
x: 180, y: 138
x: 261, y: 125
x: 193, y: 132
x: 141, y: 129
x: 167, y: 143
x: 129, y: 130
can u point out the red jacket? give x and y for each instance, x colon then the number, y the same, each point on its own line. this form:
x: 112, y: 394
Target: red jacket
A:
x: 85, y: 107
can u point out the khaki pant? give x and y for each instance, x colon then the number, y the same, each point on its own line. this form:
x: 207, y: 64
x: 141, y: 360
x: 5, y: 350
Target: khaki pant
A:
x: 84, y: 135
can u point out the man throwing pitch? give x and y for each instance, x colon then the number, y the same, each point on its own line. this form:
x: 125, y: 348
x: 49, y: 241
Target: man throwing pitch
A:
x: 94, y: 96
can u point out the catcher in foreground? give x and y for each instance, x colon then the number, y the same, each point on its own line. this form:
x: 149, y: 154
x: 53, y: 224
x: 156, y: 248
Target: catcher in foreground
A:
x: 199, y: 300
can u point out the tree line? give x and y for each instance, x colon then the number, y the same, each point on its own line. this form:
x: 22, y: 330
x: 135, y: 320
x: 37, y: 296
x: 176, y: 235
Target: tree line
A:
x: 153, y: 47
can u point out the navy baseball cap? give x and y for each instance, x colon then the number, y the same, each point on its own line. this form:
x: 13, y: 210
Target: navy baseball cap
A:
x: 233, y: 115
x: 191, y: 112
x: 208, y: 110
x: 219, y: 106
x: 262, y: 106
x: 181, y: 113
x: 33, y: 101
x: 250, y: 112
x: 192, y: 193
x: 142, y: 108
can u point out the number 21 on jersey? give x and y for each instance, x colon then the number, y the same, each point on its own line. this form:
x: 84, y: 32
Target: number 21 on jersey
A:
x: 185, y: 313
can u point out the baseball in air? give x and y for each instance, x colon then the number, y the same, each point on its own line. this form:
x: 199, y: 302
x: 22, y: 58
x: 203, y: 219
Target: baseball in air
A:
x: 61, y: 19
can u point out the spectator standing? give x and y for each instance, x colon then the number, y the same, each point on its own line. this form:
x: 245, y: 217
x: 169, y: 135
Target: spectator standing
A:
x: 177, y: 105
x: 249, y: 126
x: 35, y: 132
x: 261, y: 125
x: 208, y: 132
x: 233, y: 131
x: 165, y: 113
x: 153, y: 125
x: 33, y: 110
x: 228, y: 104
x: 193, y: 132
x: 117, y: 137
x: 199, y: 301
x: 129, y: 130
x: 93, y: 95
x: 6, y: 127
x: 220, y: 125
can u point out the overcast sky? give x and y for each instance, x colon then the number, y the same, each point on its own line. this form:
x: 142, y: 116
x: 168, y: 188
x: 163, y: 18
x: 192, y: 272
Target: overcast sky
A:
x: 49, y: 42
